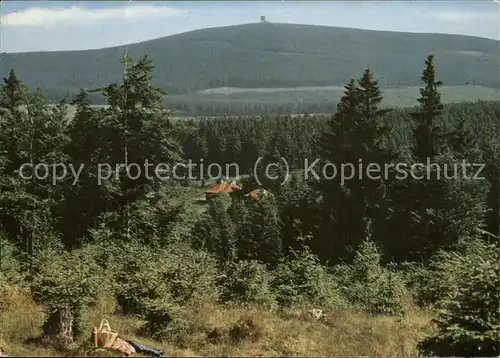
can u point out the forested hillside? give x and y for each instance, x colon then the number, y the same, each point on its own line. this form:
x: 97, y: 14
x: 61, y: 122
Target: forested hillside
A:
x: 267, y: 55
x: 380, y: 256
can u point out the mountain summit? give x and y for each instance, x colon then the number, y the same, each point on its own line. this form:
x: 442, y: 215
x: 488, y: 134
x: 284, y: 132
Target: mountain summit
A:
x: 268, y: 55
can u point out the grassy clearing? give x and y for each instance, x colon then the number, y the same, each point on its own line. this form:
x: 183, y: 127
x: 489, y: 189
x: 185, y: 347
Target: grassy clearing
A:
x: 275, y: 333
x: 232, y: 90
x: 398, y: 97
x: 393, y: 97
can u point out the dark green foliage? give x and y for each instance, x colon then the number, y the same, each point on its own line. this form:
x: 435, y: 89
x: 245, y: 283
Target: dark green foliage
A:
x: 301, y: 279
x: 13, y: 94
x: 215, y: 231
x: 491, y: 150
x: 298, y: 207
x: 428, y: 132
x: 143, y: 241
x: 249, y: 229
x: 10, y: 265
x: 469, y: 315
x: 248, y: 282
x: 31, y: 133
x: 177, y: 275
x: 447, y: 206
x: 153, y: 220
x: 357, y: 134
x: 165, y: 321
x: 65, y: 282
x: 157, y: 284
x: 133, y: 130
x: 261, y: 236
x: 370, y: 286
x: 65, y: 278
x: 272, y: 172
x: 445, y: 210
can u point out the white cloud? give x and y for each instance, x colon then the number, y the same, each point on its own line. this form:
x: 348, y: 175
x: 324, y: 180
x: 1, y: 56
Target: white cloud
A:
x: 88, y: 26
x: 37, y: 16
x: 465, y: 16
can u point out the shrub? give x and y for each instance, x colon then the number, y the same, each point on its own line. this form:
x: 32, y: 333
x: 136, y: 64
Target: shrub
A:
x: 11, y: 276
x: 245, y: 329
x: 215, y: 232
x: 469, y: 315
x: 370, y: 286
x: 165, y: 321
x: 303, y: 280
x: 179, y: 272
x: 416, y: 278
x: 248, y: 282
x: 64, y: 282
x: 443, y: 276
x: 10, y: 272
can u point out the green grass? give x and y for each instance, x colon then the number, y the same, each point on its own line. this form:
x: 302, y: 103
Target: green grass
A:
x: 327, y: 96
x: 396, y: 97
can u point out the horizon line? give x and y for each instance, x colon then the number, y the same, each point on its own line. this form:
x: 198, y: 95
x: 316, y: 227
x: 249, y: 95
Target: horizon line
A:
x: 267, y: 23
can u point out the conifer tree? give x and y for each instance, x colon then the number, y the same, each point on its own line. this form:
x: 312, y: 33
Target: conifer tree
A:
x: 264, y: 242
x: 428, y: 132
x: 85, y: 150
x: 137, y: 128
x: 375, y: 144
x: 463, y: 141
x: 13, y: 92
x: 491, y: 149
x: 468, y: 320
x: 436, y: 207
x: 357, y: 133
x: 216, y: 232
x: 336, y: 147
x: 298, y: 211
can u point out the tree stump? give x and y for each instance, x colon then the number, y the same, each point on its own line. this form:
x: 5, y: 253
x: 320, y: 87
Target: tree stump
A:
x: 58, y: 329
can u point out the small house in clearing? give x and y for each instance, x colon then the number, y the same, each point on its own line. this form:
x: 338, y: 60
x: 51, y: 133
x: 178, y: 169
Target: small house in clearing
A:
x: 259, y: 193
x: 223, y: 186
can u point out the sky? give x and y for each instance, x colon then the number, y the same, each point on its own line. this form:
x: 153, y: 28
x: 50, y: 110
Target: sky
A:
x: 77, y: 25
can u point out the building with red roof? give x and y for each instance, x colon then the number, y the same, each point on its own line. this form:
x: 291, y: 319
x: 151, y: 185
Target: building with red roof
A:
x: 224, y: 186
x: 259, y: 193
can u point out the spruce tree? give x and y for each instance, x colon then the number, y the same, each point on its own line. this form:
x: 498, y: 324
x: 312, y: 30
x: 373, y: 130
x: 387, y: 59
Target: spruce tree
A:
x: 441, y: 208
x: 357, y: 133
x: 137, y: 128
x: 12, y: 93
x: 491, y: 149
x: 85, y: 150
x: 374, y: 130
x: 264, y: 226
x: 298, y: 210
x: 428, y: 132
x: 468, y: 317
x: 336, y: 147
x: 216, y: 232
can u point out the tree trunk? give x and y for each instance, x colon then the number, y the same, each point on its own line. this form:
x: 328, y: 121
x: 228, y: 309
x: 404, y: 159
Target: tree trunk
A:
x: 58, y: 329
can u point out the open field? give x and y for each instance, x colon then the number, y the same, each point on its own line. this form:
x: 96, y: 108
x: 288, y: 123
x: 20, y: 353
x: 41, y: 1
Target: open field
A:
x: 233, y: 90
x: 232, y: 99
x: 398, y: 97
x: 289, y: 332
